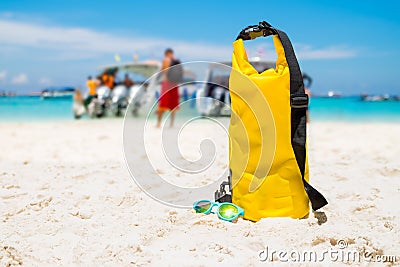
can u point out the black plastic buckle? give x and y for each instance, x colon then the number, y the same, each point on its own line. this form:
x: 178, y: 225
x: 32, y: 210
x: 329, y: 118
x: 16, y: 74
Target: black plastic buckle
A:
x: 267, y: 28
x: 249, y: 29
x: 268, y: 32
x: 250, y: 32
x: 299, y: 100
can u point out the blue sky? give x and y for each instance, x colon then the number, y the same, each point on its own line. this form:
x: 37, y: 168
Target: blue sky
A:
x: 347, y: 46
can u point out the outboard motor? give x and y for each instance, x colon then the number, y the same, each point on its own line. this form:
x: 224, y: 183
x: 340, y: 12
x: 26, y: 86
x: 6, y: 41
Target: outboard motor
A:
x: 98, y: 106
x: 119, y: 99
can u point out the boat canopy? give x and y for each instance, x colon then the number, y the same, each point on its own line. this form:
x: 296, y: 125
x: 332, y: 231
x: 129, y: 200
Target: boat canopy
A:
x: 145, y: 69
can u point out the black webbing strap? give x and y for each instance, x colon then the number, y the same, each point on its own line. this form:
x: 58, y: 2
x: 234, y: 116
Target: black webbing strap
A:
x: 298, y: 101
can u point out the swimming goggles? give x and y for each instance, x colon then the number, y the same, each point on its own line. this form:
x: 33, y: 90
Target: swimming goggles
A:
x: 226, y: 211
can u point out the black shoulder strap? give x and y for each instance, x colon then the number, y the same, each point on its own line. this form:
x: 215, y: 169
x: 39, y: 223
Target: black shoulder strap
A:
x: 298, y: 102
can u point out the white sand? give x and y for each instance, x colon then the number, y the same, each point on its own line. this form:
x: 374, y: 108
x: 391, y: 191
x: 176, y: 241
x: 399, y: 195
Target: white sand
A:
x: 66, y: 198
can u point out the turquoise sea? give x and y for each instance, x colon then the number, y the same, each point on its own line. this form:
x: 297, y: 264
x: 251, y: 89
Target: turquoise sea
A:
x: 23, y: 108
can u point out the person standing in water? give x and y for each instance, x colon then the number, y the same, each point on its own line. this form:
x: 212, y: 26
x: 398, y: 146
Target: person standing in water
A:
x: 77, y: 107
x: 169, y: 96
x: 92, y: 86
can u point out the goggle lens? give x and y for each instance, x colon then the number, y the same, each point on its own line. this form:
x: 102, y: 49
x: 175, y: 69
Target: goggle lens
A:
x: 228, y: 212
x: 202, y: 206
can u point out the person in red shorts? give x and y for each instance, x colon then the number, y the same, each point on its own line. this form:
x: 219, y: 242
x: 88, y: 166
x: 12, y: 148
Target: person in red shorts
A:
x: 169, y: 95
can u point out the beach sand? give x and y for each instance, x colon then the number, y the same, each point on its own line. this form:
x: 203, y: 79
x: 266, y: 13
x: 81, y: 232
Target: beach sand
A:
x: 67, y: 198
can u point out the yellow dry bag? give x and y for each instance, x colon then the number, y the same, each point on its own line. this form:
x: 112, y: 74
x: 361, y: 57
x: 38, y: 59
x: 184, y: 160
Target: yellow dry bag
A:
x: 267, y: 131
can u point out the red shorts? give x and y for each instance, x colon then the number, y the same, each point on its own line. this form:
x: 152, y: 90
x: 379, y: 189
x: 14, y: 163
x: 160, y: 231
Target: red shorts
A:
x: 169, y: 96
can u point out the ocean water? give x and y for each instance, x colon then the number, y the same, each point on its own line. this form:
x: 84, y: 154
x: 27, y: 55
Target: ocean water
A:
x: 26, y: 108
x: 351, y: 109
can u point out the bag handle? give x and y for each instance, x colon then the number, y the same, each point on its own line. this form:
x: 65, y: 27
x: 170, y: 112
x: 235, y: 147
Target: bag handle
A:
x: 251, y: 32
x: 298, y: 102
x: 264, y: 29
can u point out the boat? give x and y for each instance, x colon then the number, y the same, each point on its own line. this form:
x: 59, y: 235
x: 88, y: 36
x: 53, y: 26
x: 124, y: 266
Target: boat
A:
x: 58, y: 93
x: 146, y: 86
x: 7, y: 94
x: 333, y: 94
x: 379, y: 98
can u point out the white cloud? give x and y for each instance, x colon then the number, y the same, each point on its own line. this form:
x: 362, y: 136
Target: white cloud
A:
x: 75, y: 43
x: 44, y: 81
x: 87, y: 40
x: 20, y: 79
x: 333, y: 52
x: 3, y: 75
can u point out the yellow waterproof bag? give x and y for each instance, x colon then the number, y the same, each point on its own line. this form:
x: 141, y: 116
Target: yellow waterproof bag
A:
x: 267, y: 131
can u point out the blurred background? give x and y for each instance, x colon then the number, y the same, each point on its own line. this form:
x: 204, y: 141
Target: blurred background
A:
x: 348, y: 48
